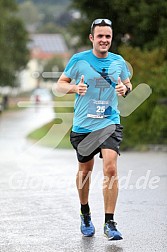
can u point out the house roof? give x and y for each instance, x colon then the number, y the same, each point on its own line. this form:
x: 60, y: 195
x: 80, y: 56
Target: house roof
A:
x: 48, y: 43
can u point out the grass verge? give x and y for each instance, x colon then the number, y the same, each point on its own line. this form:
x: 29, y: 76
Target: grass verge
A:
x: 56, y: 133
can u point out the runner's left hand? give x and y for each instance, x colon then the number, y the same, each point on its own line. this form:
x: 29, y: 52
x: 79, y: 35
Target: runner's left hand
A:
x: 120, y: 88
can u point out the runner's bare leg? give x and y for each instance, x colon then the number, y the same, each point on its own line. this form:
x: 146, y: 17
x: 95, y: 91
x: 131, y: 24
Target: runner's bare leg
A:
x: 83, y: 180
x: 110, y: 184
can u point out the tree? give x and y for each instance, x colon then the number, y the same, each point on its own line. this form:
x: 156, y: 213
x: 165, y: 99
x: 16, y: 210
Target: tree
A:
x: 54, y: 65
x: 35, y: 13
x: 145, y: 21
x: 13, y: 43
x: 148, y: 123
x: 50, y: 28
x: 44, y: 1
x: 28, y: 12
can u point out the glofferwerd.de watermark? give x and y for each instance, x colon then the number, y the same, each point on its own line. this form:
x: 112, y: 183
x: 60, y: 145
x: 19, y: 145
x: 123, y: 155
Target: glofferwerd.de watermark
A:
x: 21, y: 181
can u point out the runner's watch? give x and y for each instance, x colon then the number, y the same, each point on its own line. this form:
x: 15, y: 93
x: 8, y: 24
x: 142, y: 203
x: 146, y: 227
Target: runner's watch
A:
x: 128, y: 90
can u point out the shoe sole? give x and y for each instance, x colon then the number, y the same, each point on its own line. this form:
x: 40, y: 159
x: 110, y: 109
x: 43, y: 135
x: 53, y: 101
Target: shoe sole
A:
x: 114, y: 238
x: 88, y: 235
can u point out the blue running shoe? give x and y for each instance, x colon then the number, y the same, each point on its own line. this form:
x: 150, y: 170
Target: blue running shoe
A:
x: 111, y: 232
x: 87, y: 228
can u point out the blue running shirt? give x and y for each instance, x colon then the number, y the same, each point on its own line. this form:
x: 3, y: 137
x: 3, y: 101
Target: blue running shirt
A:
x: 97, y: 109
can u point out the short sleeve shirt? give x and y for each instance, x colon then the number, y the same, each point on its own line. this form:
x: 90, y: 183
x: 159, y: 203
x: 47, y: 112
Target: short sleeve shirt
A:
x: 98, y: 108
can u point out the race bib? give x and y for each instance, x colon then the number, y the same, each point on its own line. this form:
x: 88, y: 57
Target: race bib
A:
x: 98, y: 109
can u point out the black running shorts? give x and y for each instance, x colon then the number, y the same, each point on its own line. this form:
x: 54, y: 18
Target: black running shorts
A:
x: 87, y: 145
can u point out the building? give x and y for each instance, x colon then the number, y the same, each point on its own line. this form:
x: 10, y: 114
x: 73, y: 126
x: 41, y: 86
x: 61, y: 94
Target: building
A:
x: 43, y: 47
x: 47, y: 46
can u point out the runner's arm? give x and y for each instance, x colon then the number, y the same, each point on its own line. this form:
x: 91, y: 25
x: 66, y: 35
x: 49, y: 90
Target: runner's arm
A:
x: 64, y: 86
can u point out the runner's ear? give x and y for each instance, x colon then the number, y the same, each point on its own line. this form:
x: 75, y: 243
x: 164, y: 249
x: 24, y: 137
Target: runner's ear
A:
x: 91, y: 37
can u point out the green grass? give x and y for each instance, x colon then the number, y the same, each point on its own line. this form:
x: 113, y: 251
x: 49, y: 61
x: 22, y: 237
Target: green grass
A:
x: 48, y: 136
x: 51, y: 133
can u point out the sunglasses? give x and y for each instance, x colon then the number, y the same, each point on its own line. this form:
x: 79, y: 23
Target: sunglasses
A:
x: 101, y: 20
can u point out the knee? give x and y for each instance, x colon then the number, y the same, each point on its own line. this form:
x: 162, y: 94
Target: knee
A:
x: 85, y: 169
x: 85, y: 173
x: 110, y: 170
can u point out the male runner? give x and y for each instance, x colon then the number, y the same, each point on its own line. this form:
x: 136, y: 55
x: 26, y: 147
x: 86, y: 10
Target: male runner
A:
x: 100, y: 77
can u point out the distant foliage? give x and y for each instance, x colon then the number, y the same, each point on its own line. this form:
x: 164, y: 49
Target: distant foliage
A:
x: 13, y: 43
x: 54, y: 65
x: 148, y: 123
x: 39, y: 14
x: 144, y: 21
x: 44, y: 1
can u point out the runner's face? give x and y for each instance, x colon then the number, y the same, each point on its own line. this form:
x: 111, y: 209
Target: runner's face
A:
x: 101, y: 40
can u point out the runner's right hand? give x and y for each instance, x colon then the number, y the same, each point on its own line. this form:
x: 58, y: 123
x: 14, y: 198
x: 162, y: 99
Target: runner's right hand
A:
x: 81, y: 87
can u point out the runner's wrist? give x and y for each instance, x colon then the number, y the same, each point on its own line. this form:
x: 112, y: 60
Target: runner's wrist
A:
x: 75, y: 89
x: 127, y: 90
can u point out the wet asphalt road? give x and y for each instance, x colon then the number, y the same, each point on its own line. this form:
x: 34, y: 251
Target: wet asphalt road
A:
x: 39, y: 207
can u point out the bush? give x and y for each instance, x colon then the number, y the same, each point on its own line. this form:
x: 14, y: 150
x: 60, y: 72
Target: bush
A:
x: 147, y: 124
